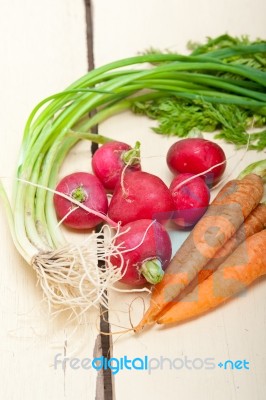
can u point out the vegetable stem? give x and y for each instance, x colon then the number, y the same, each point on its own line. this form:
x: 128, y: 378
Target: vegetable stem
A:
x: 152, y: 271
x: 258, y: 168
x: 231, y: 80
x: 93, y: 137
x: 132, y: 156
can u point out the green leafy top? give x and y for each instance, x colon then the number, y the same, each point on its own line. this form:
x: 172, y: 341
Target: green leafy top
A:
x: 180, y: 113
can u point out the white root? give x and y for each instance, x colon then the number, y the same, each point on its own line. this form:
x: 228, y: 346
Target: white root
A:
x: 122, y: 177
x: 71, y: 276
x: 103, y: 216
x: 77, y: 276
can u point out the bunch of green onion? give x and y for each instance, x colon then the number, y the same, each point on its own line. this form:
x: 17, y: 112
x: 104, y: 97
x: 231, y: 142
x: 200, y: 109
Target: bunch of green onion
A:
x: 58, y: 122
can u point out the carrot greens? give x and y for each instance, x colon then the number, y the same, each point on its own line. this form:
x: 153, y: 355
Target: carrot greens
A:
x: 214, y: 87
x: 208, y: 109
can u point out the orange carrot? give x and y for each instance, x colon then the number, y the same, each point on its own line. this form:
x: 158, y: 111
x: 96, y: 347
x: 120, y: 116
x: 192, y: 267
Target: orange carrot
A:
x: 246, y: 264
x: 255, y: 222
x: 223, y: 218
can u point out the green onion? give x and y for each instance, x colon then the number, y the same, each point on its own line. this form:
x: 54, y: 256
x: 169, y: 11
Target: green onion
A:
x: 58, y: 122
x: 258, y: 168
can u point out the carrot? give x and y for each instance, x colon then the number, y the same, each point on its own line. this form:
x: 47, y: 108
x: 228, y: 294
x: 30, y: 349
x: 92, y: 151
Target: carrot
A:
x: 255, y: 222
x: 223, y: 218
x: 246, y: 264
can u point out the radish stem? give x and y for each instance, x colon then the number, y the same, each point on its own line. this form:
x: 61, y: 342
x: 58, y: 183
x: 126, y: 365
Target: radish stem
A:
x: 58, y: 122
x: 152, y: 271
x: 132, y: 156
x: 258, y: 167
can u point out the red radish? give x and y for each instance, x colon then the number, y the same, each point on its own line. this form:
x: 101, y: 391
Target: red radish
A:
x: 110, y: 159
x: 151, y: 252
x: 191, y: 199
x: 87, y: 189
x: 196, y: 155
x: 140, y: 196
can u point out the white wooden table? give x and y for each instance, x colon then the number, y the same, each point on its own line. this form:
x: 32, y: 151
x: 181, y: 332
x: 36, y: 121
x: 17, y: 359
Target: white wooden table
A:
x: 43, y: 49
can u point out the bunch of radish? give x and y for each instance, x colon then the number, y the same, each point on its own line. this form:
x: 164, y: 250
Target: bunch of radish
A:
x: 198, y: 164
x: 141, y: 202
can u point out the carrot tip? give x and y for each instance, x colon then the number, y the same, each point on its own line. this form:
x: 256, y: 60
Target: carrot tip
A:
x: 139, y: 327
x: 143, y: 323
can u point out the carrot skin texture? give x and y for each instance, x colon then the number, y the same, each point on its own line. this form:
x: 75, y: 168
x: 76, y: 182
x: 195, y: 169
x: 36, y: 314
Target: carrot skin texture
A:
x: 227, y: 212
x: 255, y: 222
x: 246, y: 264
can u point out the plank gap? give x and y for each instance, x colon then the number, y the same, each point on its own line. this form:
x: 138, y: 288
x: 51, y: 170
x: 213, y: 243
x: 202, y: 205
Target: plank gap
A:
x: 103, y: 344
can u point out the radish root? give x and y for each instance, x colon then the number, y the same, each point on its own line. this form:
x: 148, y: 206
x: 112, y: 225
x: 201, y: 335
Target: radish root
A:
x: 70, y: 276
x: 77, y: 276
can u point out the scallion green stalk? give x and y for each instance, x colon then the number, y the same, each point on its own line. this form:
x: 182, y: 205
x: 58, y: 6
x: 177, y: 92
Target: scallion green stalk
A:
x: 58, y: 122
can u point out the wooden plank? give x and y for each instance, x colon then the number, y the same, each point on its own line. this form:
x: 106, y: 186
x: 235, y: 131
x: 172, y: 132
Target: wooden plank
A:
x: 237, y: 330
x: 103, y: 345
x: 43, y: 49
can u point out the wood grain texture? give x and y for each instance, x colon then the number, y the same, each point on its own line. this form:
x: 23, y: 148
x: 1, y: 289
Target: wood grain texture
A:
x: 103, y: 344
x: 43, y: 49
x: 237, y: 330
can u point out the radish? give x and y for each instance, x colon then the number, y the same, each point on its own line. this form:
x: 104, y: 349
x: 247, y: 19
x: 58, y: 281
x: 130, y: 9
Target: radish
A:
x: 110, y: 159
x: 191, y: 199
x: 146, y: 251
x: 140, y: 195
x: 84, y: 188
x: 196, y: 155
